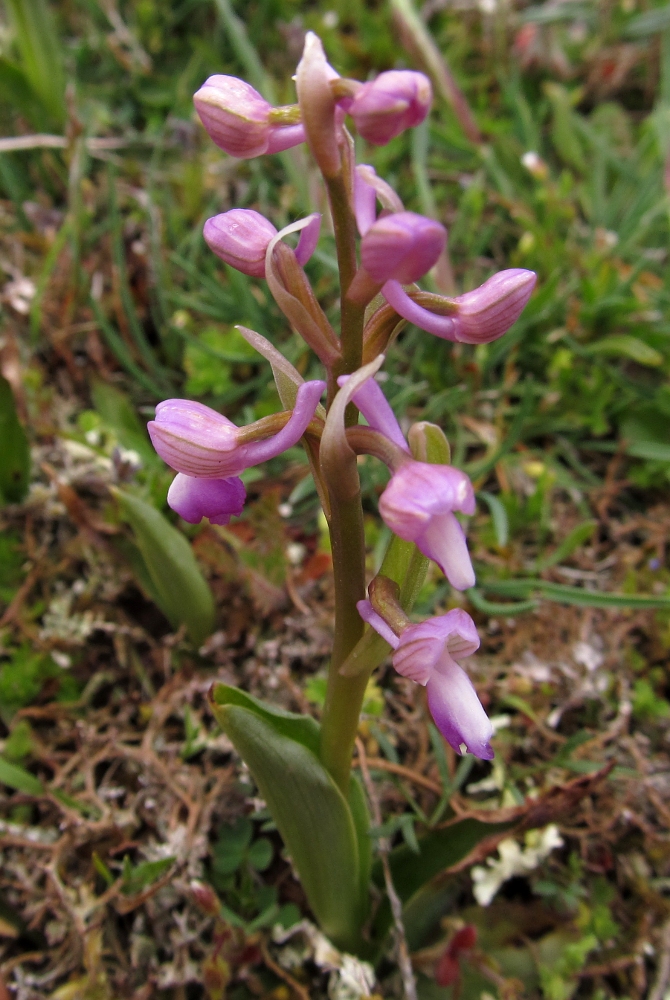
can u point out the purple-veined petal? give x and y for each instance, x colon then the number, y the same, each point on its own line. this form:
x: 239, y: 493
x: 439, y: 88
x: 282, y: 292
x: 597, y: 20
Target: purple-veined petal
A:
x: 309, y: 394
x: 457, y: 710
x: 402, y: 247
x: 444, y: 542
x: 369, y: 615
x: 440, y: 326
x: 234, y: 114
x: 376, y: 409
x: 240, y: 237
x: 386, y: 106
x: 309, y: 237
x: 194, y: 439
x: 421, y: 646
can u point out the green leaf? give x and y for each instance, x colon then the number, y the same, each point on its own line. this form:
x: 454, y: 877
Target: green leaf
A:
x: 119, y: 414
x: 438, y: 850
x: 474, y: 595
x: 231, y: 846
x: 624, y: 345
x: 18, y: 778
x: 15, y: 452
x: 302, y: 728
x: 572, y: 595
x: 260, y: 854
x: 654, y: 451
x: 311, y: 814
x: 184, y: 594
x: 498, y: 516
x: 40, y: 50
x: 648, y: 23
x: 16, y: 90
x: 137, y: 878
x: 572, y: 541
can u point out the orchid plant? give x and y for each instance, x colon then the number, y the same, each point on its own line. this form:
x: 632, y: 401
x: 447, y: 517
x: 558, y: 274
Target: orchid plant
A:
x: 302, y: 769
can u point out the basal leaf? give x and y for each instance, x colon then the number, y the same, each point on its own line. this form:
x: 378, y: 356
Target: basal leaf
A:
x: 311, y: 814
x: 302, y: 728
x: 183, y: 593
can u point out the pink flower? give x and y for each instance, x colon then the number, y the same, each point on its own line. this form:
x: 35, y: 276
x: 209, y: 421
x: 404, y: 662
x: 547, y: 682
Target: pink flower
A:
x: 241, y: 238
x: 402, y: 247
x: 418, y: 505
x: 477, y: 317
x: 239, y: 120
x: 201, y: 443
x: 419, y: 501
x: 427, y: 653
x: 385, y: 107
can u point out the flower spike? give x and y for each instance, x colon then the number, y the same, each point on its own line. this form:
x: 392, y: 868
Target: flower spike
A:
x: 199, y: 442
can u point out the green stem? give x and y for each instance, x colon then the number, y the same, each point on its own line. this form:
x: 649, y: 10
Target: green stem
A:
x: 352, y: 314
x: 344, y: 695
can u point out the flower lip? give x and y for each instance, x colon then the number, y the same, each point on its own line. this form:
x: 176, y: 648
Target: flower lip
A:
x: 418, y: 504
x: 421, y: 646
x: 402, y: 247
x: 457, y: 710
x: 216, y: 499
x: 240, y: 237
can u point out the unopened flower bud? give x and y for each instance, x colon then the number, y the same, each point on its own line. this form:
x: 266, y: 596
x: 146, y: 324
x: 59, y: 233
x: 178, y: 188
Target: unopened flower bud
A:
x: 241, y: 122
x: 385, y: 107
x: 240, y: 238
x: 402, y: 247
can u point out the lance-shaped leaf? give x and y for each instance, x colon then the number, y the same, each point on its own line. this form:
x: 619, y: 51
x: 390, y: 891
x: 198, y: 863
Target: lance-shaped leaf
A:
x: 14, y: 449
x: 322, y: 832
x: 183, y: 593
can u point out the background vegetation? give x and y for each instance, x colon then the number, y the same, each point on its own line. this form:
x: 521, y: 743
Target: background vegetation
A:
x: 119, y: 791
